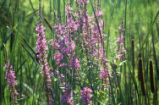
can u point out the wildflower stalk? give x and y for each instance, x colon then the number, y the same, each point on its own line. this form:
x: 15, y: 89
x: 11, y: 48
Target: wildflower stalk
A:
x: 45, y: 69
x: 41, y: 55
x: 10, y: 77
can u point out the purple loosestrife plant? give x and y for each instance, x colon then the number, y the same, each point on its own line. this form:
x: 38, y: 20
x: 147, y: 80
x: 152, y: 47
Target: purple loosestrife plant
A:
x: 104, y: 71
x: 41, y: 43
x: 120, y: 41
x: 64, y: 44
x: 10, y: 76
x: 41, y: 54
x: 58, y: 57
x: 65, y: 56
x: 74, y: 62
x: 72, y: 25
x: 98, y: 35
x: 93, y: 36
x: 86, y: 95
x: 67, y: 95
x: 99, y: 51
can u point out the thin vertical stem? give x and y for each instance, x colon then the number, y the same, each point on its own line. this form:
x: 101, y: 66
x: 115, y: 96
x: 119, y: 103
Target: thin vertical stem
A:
x: 40, y: 12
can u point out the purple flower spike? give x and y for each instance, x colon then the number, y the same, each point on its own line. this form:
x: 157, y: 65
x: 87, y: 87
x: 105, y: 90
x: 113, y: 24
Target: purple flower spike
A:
x: 41, y: 54
x: 58, y: 57
x: 67, y: 95
x: 104, y: 73
x: 10, y: 77
x: 86, y: 95
x: 41, y: 43
x: 120, y: 41
x: 74, y: 62
x: 68, y: 10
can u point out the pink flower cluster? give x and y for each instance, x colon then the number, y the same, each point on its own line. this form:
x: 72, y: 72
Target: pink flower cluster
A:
x: 104, y: 71
x: 97, y: 36
x: 74, y: 63
x: 67, y: 95
x: 41, y: 43
x: 93, y: 36
x: 10, y: 76
x: 120, y: 41
x: 41, y: 54
x: 64, y: 44
x: 86, y: 95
